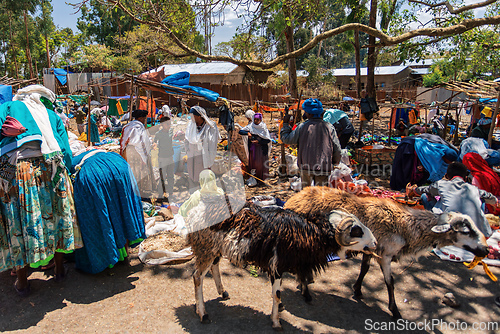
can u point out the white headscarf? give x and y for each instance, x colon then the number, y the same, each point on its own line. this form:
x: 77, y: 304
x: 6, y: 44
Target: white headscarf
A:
x: 250, y: 114
x: 203, y: 142
x: 166, y: 112
x: 139, y: 138
x: 259, y: 130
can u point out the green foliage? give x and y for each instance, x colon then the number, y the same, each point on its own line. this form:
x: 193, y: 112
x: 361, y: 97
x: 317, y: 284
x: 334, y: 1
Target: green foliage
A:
x: 126, y: 64
x: 94, y: 56
x: 313, y: 65
x: 244, y: 46
x: 434, y: 78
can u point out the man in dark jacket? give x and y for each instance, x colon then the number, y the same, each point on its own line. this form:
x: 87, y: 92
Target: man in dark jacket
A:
x: 319, y: 148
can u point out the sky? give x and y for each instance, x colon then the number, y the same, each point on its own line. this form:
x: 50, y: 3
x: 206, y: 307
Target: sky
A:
x: 64, y: 18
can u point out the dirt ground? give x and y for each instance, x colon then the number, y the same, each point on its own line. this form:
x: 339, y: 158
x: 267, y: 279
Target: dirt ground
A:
x: 160, y: 299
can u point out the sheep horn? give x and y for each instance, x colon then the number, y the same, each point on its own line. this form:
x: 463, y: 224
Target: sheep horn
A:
x: 342, y: 229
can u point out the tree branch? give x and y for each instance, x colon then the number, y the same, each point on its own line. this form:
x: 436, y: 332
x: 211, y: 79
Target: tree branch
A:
x: 385, y: 40
x: 450, y: 7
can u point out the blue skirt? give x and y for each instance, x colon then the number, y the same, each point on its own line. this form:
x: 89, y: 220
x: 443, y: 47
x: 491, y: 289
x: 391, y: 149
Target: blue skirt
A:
x: 108, y: 208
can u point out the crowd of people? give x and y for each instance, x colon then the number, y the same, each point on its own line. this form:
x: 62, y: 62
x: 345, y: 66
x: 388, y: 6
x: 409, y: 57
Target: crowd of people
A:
x: 91, y: 204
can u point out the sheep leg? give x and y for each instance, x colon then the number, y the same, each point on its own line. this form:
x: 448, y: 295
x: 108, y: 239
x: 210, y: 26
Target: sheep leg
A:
x: 218, y: 280
x: 304, y: 288
x: 365, y: 266
x: 198, y: 276
x: 385, y: 265
x: 275, y: 317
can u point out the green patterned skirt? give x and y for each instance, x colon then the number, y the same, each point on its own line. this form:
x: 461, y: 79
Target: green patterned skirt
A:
x: 37, y: 214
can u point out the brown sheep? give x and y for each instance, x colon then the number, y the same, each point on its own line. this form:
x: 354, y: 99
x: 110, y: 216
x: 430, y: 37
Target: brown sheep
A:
x: 400, y: 231
x: 275, y: 240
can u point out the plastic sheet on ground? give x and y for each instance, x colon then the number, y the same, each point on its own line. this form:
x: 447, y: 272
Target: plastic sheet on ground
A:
x: 165, y: 256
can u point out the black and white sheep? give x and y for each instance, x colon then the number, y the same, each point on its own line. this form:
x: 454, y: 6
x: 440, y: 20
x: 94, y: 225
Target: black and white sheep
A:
x: 277, y: 241
x: 400, y: 231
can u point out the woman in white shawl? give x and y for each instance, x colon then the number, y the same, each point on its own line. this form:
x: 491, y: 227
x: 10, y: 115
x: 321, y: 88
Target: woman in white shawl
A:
x: 135, y: 147
x: 202, y: 137
x: 259, y: 146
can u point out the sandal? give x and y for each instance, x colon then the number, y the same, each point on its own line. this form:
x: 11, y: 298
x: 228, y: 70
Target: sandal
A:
x: 23, y: 292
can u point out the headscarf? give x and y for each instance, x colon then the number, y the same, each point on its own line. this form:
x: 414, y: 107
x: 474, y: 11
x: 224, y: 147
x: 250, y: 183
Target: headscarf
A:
x: 249, y: 114
x: 205, y: 141
x: 208, y: 186
x: 332, y: 116
x: 487, y: 179
x: 313, y: 107
x: 166, y: 112
x: 139, y: 138
x: 258, y: 129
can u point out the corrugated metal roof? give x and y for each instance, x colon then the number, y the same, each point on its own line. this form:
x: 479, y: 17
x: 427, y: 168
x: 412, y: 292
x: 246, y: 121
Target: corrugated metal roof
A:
x: 421, y: 71
x: 381, y: 70
x: 300, y: 73
x: 215, y: 67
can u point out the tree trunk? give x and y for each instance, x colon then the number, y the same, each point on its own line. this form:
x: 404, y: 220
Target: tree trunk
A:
x: 372, y: 56
x: 292, y: 66
x: 47, y: 49
x: 28, y: 53
x: 357, y: 51
x: 13, y: 46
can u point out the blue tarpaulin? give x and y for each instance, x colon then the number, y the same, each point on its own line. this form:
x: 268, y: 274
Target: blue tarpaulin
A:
x: 181, y: 80
x: 5, y: 93
x: 61, y: 75
x: 485, y: 100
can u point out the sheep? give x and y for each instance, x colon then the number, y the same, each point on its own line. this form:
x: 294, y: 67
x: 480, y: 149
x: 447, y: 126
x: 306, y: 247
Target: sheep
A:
x: 400, y: 231
x: 275, y: 240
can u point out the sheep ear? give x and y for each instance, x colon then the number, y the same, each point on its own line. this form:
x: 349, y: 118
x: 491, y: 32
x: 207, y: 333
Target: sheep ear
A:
x: 443, y: 228
x: 336, y: 216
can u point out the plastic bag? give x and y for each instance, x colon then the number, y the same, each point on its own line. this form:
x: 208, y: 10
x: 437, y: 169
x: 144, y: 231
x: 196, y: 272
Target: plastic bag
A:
x: 252, y: 182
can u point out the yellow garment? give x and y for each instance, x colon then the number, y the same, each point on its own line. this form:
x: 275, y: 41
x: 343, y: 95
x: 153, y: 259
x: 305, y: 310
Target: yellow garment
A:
x: 412, y: 117
x: 119, y: 108
x: 486, y: 112
x: 208, y: 184
x: 83, y: 137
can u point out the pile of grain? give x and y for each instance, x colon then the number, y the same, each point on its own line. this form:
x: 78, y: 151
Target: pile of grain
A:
x: 165, y: 240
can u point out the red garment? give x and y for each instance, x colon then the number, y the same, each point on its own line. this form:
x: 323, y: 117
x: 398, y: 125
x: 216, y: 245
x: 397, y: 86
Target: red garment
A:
x: 487, y: 179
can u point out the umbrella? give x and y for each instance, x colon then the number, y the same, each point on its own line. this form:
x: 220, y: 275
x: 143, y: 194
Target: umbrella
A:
x: 105, y: 108
x: 95, y: 103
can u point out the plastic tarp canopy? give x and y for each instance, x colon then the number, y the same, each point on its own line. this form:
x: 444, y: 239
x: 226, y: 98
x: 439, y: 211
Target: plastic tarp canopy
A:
x: 61, y: 75
x: 5, y: 93
x: 181, y: 80
x: 486, y: 100
x: 80, y: 99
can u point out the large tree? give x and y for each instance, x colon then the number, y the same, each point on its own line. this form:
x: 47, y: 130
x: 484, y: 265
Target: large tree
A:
x: 446, y: 21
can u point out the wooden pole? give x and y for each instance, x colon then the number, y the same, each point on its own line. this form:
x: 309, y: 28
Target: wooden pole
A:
x: 89, y: 143
x: 390, y: 126
x: 446, y: 118
x: 283, y: 167
x: 426, y: 113
x: 457, y: 127
x: 131, y: 99
x: 494, y: 118
x: 373, y: 130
